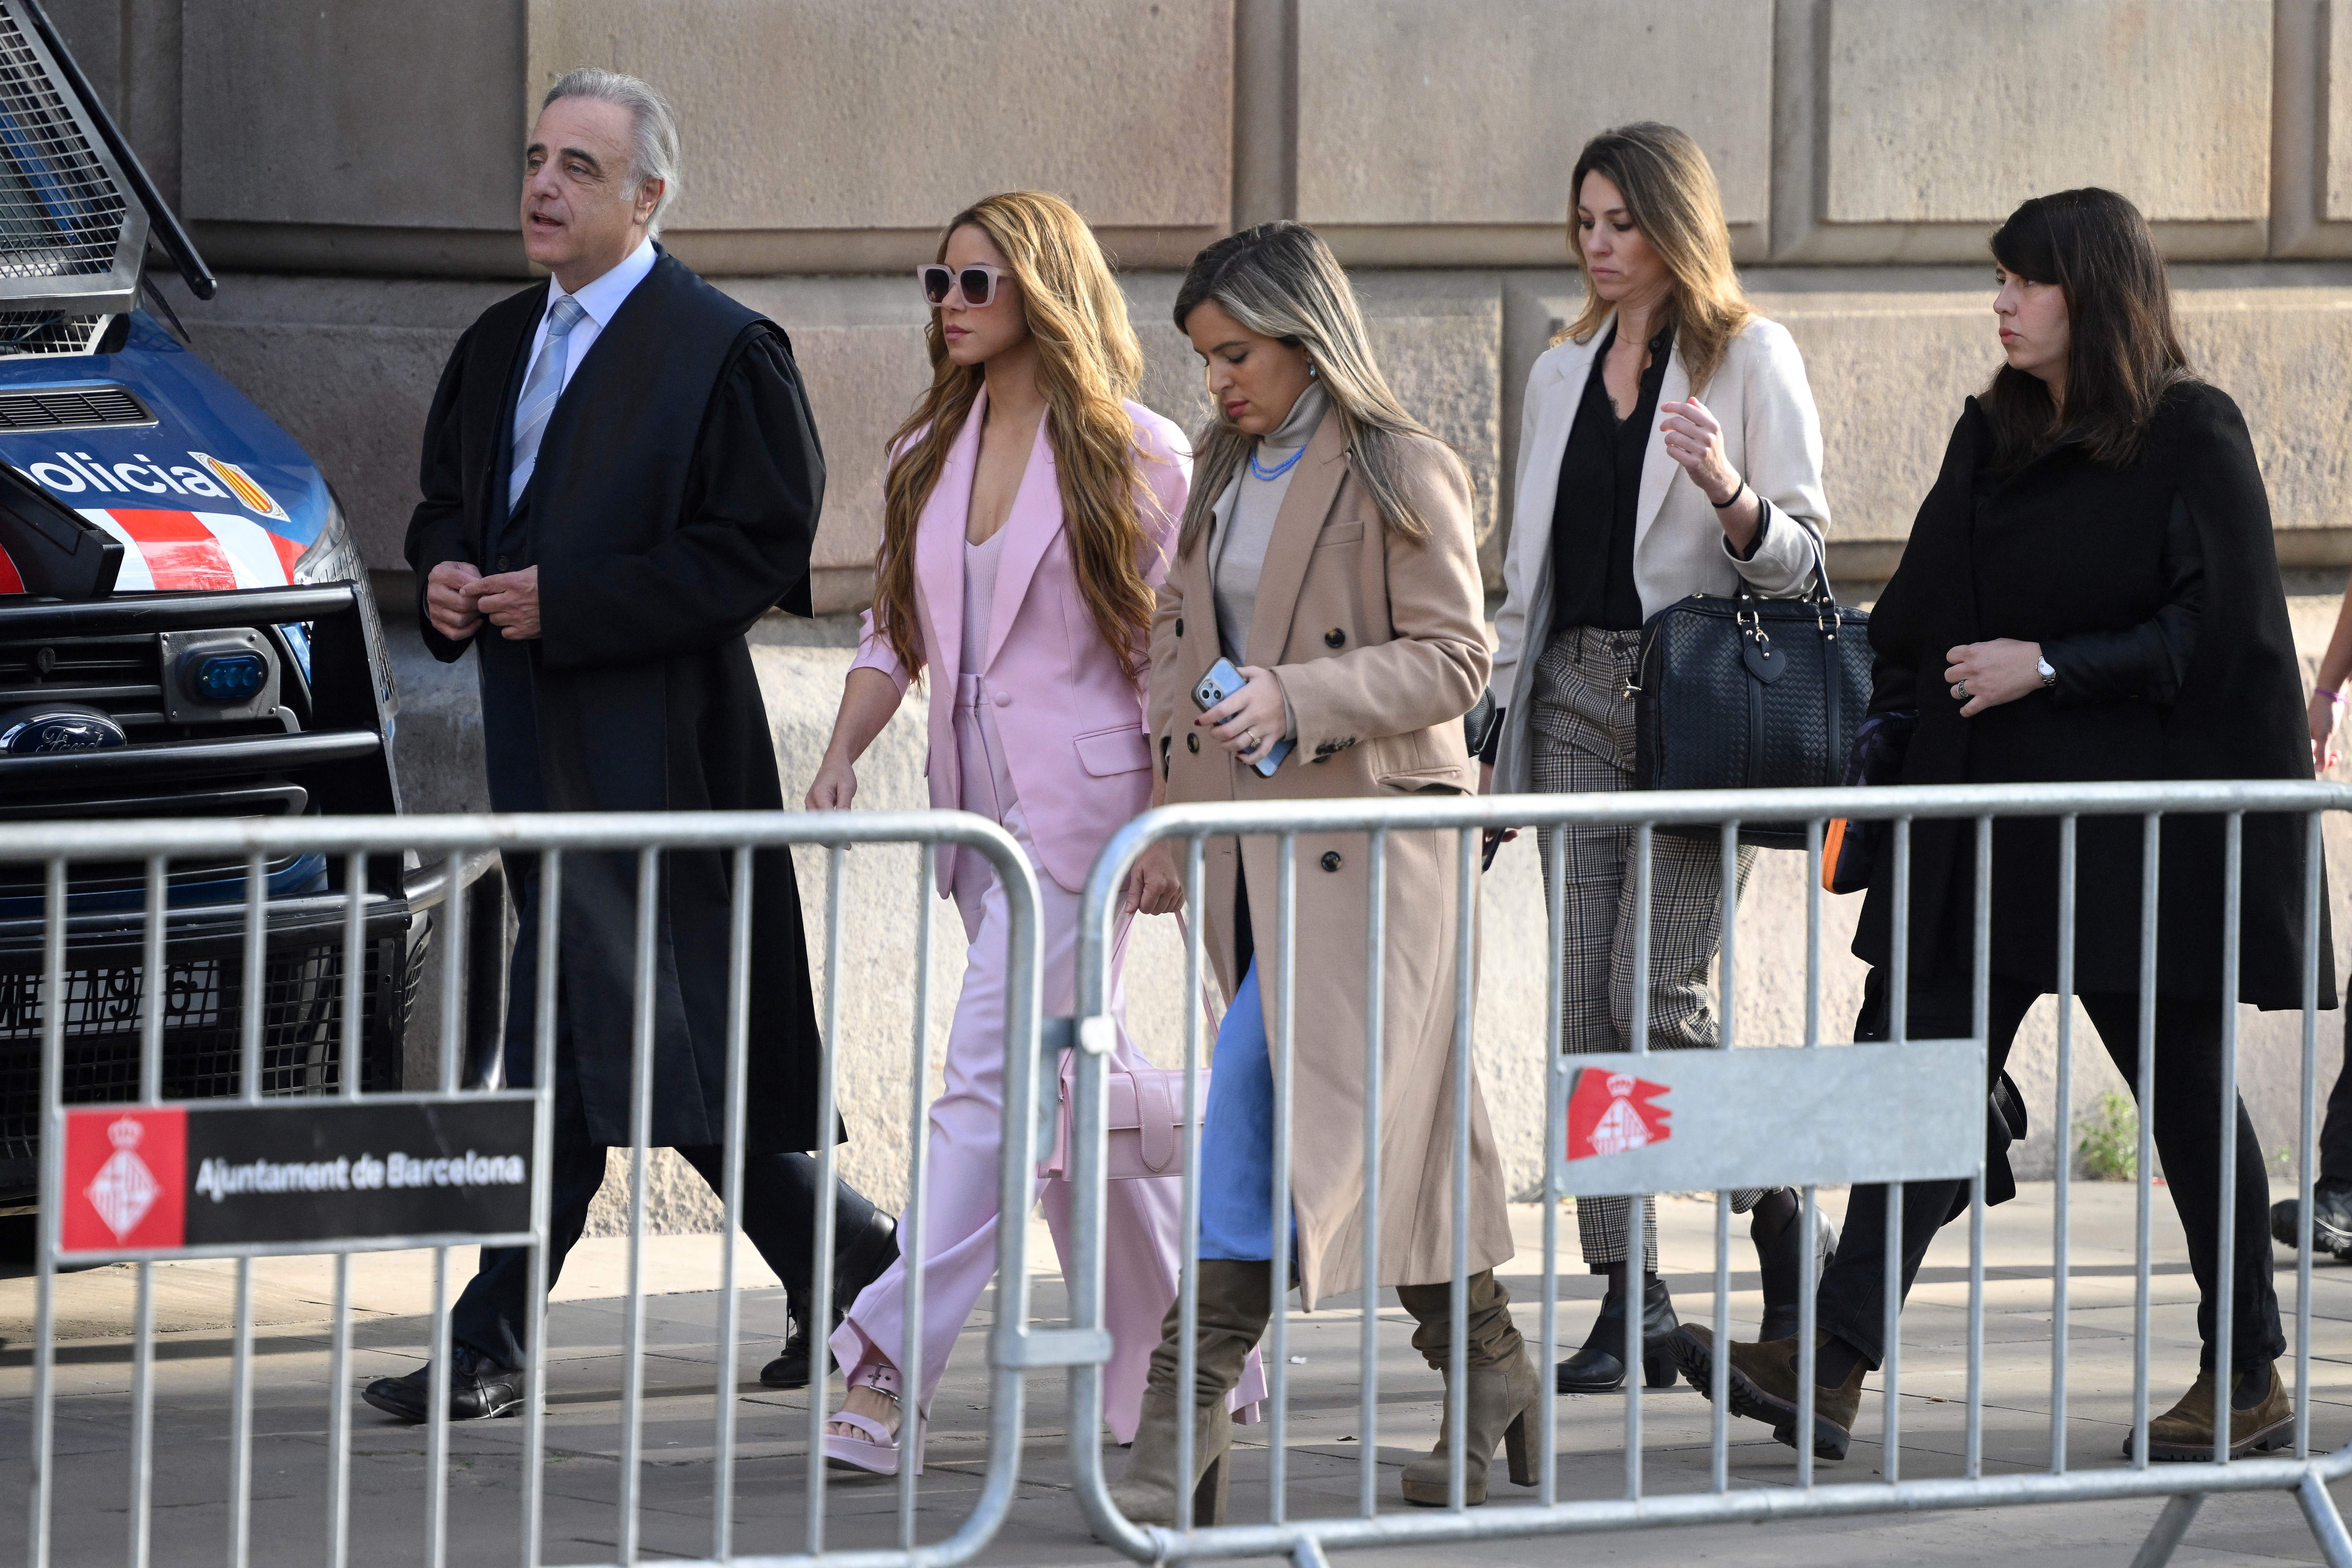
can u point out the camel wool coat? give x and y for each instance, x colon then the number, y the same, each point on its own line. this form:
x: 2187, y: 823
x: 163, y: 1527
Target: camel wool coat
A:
x: 1381, y: 645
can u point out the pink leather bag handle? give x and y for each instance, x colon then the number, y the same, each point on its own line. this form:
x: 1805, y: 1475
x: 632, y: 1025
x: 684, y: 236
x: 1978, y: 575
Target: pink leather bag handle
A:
x: 1143, y: 1115
x: 1156, y: 1116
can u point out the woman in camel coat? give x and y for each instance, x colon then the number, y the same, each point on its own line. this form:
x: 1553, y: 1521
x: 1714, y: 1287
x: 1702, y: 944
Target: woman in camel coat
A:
x: 1328, y: 554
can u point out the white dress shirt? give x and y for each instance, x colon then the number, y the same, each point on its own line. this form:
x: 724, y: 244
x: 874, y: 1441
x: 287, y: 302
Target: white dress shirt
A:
x: 598, y: 301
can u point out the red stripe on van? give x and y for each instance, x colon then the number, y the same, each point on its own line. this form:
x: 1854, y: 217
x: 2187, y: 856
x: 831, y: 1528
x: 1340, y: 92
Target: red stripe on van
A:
x: 180, y: 551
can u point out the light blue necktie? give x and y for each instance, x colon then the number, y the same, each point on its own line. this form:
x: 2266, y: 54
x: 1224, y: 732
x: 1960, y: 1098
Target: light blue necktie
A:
x: 540, y: 390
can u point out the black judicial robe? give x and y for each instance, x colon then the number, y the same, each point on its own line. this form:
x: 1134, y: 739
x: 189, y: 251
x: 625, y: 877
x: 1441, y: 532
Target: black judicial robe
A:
x: 675, y: 501
x: 2064, y: 546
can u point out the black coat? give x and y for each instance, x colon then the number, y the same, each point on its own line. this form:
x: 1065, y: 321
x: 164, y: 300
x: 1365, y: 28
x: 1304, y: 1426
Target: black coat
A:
x: 2064, y: 547
x: 674, y: 502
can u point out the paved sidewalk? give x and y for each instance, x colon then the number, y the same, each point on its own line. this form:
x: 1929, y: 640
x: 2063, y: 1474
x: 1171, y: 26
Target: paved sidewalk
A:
x: 393, y: 1294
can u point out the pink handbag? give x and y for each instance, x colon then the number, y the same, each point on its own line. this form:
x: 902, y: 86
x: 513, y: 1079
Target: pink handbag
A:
x: 1144, y: 1112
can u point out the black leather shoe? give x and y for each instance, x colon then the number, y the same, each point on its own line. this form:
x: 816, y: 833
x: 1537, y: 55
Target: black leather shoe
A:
x: 2331, y: 1220
x: 857, y: 1262
x: 1599, y: 1366
x: 479, y: 1388
x: 1781, y: 1261
x: 790, y: 1370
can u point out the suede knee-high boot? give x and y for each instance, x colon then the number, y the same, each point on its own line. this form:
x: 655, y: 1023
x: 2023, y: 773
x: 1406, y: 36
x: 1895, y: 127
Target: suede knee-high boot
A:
x: 1237, y: 1301
x: 1503, y: 1389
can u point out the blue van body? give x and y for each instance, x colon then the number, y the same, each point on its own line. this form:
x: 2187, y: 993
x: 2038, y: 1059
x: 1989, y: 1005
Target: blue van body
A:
x: 222, y: 528
x: 196, y: 411
x: 186, y: 631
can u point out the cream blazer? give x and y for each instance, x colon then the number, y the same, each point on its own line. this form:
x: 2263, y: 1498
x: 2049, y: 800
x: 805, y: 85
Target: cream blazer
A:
x: 1771, y: 435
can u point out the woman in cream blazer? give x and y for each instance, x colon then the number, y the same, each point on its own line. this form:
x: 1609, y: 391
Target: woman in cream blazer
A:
x: 1669, y: 447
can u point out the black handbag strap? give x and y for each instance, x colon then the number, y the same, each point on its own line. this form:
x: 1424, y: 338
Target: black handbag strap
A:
x: 1828, y: 620
x: 1821, y: 596
x: 1755, y: 732
x: 1833, y: 692
x: 1833, y: 685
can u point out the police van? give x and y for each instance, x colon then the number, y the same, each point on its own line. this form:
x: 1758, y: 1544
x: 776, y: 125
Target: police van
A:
x: 185, y: 630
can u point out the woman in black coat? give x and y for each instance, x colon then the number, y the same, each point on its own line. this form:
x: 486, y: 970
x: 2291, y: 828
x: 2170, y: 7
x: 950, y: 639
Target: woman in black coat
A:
x: 2090, y: 592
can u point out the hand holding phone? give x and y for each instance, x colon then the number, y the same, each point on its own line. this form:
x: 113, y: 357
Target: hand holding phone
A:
x: 1221, y: 682
x: 1495, y: 837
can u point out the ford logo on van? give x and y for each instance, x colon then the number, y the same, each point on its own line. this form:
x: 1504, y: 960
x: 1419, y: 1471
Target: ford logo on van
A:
x: 57, y: 727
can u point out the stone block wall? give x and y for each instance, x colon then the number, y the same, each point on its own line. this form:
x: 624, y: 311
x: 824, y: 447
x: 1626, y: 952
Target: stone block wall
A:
x: 352, y: 171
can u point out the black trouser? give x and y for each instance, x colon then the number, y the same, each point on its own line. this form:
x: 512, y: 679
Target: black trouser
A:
x: 778, y: 1190
x: 778, y: 1215
x: 2187, y: 1139
x: 2336, y: 1131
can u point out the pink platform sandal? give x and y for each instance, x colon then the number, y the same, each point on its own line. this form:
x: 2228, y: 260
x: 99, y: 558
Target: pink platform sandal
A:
x: 878, y: 1452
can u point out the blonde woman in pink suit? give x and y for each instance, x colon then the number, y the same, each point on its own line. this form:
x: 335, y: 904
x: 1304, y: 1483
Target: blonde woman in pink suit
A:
x: 1029, y: 514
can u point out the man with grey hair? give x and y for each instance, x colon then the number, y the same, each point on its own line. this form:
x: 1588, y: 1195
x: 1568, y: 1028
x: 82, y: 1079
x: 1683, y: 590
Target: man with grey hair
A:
x: 620, y: 476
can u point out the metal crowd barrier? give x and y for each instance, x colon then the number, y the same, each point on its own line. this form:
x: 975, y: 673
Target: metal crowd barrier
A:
x: 1939, y: 1087
x: 142, y: 1205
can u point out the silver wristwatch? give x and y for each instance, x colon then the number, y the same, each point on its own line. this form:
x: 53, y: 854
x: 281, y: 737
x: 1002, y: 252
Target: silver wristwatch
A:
x: 2049, y: 676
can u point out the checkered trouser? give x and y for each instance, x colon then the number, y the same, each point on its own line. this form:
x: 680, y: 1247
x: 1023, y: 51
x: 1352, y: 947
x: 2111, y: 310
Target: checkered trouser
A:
x: 1580, y: 737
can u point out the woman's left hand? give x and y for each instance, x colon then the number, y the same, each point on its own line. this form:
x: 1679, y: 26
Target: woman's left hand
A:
x: 1693, y: 439
x: 1252, y: 719
x: 1995, y: 672
x: 1153, y: 888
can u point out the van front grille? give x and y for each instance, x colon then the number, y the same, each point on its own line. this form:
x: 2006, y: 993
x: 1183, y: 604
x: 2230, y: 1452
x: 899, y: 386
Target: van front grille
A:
x: 40, y: 671
x: 302, y: 1041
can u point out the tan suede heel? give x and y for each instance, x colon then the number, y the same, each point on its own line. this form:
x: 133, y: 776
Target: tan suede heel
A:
x: 1498, y: 1402
x: 1236, y: 1302
x: 1147, y: 1492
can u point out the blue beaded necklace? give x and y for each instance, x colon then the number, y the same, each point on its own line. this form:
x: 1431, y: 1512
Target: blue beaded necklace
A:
x: 1287, y: 464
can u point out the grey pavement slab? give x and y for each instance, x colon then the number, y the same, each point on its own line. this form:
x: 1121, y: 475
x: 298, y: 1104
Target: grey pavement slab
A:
x: 392, y: 1301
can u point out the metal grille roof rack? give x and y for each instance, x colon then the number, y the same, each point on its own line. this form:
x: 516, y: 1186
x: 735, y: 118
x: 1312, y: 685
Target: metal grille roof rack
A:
x: 71, y: 239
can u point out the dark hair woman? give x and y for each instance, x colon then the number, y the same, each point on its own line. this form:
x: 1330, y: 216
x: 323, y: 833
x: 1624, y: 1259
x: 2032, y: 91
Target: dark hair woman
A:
x: 2089, y: 592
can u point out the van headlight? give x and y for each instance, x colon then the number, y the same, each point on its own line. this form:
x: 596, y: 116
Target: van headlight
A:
x: 334, y: 557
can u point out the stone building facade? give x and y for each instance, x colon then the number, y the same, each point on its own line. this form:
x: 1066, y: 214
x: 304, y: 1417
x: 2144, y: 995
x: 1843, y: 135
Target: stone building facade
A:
x: 351, y: 168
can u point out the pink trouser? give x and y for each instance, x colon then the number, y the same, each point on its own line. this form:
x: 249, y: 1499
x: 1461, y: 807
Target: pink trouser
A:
x: 1141, y: 1219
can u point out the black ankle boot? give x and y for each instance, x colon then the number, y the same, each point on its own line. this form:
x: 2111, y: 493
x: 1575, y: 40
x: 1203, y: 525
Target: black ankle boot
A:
x: 1599, y: 1366
x: 1782, y: 1257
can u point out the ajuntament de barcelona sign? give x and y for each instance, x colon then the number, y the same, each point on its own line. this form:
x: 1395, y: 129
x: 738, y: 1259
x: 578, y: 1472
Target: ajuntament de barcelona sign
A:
x: 140, y: 1180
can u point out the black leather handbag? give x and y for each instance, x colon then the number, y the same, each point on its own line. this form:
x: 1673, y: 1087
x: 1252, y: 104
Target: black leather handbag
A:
x: 1749, y: 693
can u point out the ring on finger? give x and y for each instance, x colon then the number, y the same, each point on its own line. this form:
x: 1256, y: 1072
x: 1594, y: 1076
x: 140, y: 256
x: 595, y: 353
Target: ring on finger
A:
x: 1960, y: 692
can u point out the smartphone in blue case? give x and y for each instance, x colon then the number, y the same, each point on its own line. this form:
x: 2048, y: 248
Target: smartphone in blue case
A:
x: 1221, y: 681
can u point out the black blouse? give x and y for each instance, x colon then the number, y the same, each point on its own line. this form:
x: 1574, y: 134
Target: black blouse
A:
x: 1592, y: 519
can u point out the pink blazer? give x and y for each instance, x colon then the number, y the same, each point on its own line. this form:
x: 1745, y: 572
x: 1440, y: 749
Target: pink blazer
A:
x: 1072, y: 720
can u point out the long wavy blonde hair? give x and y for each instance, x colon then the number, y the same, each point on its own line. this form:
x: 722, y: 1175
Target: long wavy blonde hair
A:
x: 1671, y: 196
x: 1281, y: 282
x: 1088, y: 364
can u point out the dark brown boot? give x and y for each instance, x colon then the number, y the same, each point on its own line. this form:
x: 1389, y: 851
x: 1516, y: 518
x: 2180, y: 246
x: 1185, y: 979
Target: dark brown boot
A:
x: 1236, y: 1302
x: 2184, y: 1434
x: 1503, y: 1392
x: 1761, y: 1384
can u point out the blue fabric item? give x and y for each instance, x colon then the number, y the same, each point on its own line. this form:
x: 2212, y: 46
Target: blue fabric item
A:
x: 1237, y: 1139
x: 537, y: 399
